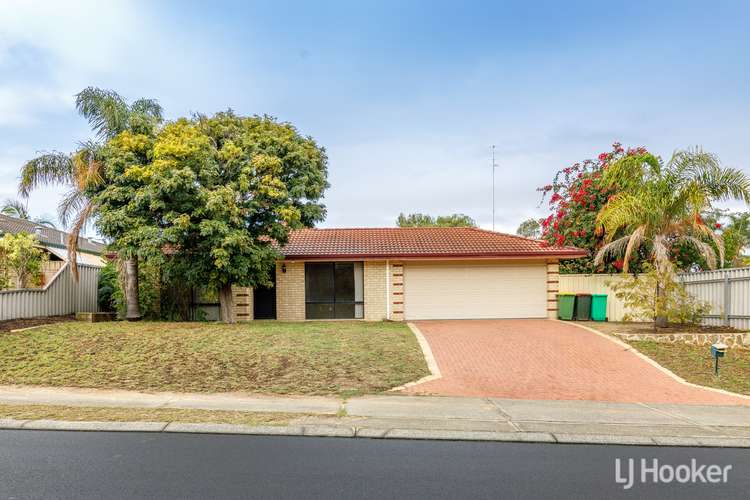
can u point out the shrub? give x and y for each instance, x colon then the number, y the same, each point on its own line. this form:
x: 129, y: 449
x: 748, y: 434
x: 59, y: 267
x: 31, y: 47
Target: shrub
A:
x: 638, y: 293
x: 108, y: 287
x: 111, y: 295
x: 22, y: 259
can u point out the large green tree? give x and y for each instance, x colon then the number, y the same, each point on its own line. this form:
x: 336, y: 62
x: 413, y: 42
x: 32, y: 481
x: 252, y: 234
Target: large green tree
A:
x: 424, y: 220
x: 659, y: 206
x: 83, y: 171
x: 218, y: 195
x: 734, y: 228
x: 530, y: 228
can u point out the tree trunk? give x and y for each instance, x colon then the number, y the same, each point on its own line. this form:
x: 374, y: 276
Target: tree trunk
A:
x: 133, y: 308
x: 661, y: 320
x: 226, y: 302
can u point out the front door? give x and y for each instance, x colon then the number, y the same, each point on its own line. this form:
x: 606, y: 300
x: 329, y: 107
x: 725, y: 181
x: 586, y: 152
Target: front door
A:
x: 264, y: 302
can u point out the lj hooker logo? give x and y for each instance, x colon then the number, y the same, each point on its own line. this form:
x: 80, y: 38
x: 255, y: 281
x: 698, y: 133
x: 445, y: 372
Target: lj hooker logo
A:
x: 630, y: 471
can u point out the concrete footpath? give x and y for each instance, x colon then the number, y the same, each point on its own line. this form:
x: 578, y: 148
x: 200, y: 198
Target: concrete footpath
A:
x: 416, y: 417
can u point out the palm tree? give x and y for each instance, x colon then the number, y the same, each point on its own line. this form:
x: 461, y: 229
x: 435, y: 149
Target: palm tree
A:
x: 19, y: 210
x: 82, y: 171
x: 659, y: 206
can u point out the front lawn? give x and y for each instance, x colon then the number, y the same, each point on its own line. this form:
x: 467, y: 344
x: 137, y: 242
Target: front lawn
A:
x: 343, y: 358
x: 695, y: 364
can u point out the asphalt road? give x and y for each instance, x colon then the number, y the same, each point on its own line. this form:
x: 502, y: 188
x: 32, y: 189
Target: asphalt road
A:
x: 55, y: 464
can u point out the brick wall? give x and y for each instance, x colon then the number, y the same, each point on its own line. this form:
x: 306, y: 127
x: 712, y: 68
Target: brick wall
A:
x: 375, y: 293
x: 397, y: 291
x: 290, y: 291
x: 243, y: 303
x: 553, y: 286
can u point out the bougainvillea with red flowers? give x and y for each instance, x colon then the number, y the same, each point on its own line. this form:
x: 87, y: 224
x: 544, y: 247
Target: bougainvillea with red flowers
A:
x: 575, y: 197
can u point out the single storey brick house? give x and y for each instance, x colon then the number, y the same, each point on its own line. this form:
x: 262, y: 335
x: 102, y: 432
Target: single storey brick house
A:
x: 408, y: 273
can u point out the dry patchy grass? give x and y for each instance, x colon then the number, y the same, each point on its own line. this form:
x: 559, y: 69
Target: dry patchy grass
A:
x: 341, y: 357
x: 97, y: 414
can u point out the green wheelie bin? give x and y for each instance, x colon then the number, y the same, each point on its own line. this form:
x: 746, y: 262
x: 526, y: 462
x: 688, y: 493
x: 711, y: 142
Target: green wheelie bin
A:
x: 599, y: 307
x: 583, y: 306
x: 565, y: 305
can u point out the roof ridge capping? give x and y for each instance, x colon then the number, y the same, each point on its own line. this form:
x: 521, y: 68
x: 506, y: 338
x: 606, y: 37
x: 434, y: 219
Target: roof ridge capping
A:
x: 415, y: 228
x: 427, y: 228
x: 414, y: 242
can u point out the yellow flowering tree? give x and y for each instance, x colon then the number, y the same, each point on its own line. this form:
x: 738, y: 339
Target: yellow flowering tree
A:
x: 213, y: 197
x: 21, y: 261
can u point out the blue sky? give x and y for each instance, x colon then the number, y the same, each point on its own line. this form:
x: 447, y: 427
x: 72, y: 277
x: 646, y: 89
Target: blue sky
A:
x: 407, y: 97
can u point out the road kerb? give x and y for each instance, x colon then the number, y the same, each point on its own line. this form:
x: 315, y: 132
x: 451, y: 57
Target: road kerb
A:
x: 74, y: 425
x: 328, y: 431
x: 563, y: 438
x: 451, y: 435
x: 11, y: 423
x: 260, y: 430
x: 377, y: 433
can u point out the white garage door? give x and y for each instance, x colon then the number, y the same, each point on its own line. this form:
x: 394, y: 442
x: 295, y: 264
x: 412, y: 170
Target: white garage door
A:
x: 465, y: 291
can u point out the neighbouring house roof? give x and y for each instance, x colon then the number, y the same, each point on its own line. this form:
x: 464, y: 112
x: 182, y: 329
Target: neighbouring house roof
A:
x: 422, y: 242
x: 48, y: 236
x: 88, y: 259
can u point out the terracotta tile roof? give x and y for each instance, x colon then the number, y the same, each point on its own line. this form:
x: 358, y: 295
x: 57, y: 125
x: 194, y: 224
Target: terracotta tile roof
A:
x: 459, y: 242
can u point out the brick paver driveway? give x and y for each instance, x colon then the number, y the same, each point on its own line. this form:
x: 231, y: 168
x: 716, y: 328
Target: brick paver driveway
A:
x: 540, y: 359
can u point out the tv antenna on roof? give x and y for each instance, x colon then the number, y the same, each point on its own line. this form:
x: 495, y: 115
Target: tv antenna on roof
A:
x: 494, y: 166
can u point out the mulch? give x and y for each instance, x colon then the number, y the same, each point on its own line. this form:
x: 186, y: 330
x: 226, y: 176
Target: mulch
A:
x: 15, y: 324
x: 648, y: 328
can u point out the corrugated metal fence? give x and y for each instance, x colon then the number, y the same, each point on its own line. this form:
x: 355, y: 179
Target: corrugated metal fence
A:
x: 728, y: 291
x: 62, y: 295
x: 721, y: 288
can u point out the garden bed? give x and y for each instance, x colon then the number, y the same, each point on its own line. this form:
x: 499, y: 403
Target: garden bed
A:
x: 686, y: 334
x: 612, y: 327
x: 17, y: 324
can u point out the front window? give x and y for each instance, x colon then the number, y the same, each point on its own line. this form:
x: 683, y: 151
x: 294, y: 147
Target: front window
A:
x: 334, y: 290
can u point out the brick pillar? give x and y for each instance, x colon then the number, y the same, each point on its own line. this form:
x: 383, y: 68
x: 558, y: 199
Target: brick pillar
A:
x: 243, y: 303
x: 376, y: 298
x: 290, y: 291
x: 397, y: 291
x: 553, y: 286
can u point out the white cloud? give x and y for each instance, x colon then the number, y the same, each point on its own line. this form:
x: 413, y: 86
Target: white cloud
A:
x: 22, y: 105
x: 79, y: 33
x: 43, y: 201
x: 50, y: 49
